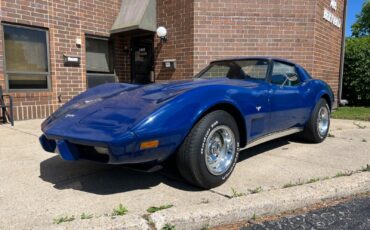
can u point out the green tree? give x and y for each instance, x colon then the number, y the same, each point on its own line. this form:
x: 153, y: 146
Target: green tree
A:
x: 356, y: 81
x: 362, y: 26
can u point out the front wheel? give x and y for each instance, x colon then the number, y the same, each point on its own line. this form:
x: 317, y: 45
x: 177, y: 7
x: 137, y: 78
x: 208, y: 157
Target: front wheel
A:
x: 209, y: 153
x: 317, y: 128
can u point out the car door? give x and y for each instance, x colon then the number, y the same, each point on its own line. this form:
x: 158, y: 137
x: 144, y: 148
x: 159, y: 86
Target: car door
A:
x: 255, y: 98
x: 286, y: 98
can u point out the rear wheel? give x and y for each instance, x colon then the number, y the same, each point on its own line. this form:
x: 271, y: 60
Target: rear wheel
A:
x: 209, y: 153
x: 317, y: 128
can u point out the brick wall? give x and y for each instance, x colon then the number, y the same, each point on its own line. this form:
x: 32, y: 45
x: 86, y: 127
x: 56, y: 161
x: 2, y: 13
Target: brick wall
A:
x: 292, y: 29
x: 65, y: 20
x: 327, y: 45
x: 199, y: 31
x: 178, y: 17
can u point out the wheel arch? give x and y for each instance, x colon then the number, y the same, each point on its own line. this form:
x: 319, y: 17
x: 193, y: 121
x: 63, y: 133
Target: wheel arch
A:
x: 235, y: 113
x: 327, y: 99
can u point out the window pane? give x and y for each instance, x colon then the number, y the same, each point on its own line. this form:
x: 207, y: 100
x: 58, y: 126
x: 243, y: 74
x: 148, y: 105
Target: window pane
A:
x: 255, y: 69
x: 27, y: 81
x: 246, y: 69
x: 281, y: 68
x: 25, y: 49
x: 98, y: 56
x: 216, y: 71
x: 280, y: 73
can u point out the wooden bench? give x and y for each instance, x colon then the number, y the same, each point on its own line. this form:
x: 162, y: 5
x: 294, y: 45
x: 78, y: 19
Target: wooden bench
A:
x: 6, y: 108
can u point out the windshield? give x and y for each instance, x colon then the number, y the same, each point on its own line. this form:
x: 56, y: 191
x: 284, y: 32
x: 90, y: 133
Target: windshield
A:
x: 238, y: 69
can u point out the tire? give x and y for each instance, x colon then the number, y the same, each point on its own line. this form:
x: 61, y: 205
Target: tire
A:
x: 194, y: 159
x: 313, y: 132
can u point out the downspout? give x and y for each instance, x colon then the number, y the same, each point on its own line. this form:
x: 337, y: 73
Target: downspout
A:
x: 342, y: 53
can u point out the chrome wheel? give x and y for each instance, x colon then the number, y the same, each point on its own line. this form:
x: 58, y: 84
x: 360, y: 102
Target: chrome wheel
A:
x: 323, y: 121
x: 220, y: 150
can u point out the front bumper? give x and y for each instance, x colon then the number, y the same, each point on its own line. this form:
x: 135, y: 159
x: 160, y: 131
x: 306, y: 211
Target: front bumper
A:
x: 126, y: 153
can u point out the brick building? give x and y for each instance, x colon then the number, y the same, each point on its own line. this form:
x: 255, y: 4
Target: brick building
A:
x: 51, y: 50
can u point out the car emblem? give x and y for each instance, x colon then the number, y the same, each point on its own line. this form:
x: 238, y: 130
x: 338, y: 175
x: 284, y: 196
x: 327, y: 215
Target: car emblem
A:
x: 259, y: 108
x: 70, y: 115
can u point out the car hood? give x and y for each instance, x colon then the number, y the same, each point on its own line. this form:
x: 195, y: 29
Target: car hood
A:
x: 111, y: 110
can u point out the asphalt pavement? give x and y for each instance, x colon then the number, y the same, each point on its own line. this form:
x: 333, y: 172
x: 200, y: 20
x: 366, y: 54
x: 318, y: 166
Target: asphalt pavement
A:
x: 351, y: 215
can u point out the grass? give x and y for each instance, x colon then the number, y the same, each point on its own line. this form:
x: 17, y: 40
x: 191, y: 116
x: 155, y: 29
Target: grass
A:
x: 156, y: 209
x: 169, y: 227
x: 313, y: 180
x: 63, y: 219
x: 256, y: 190
x: 366, y: 168
x: 352, y: 113
x: 341, y: 174
x: 120, y: 211
x: 236, y: 193
x: 85, y: 216
x: 290, y: 184
x: 254, y: 217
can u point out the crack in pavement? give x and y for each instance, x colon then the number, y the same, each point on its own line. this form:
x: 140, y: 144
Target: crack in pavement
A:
x: 21, y: 131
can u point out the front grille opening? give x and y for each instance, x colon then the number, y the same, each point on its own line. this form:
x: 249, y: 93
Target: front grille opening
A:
x: 89, y: 153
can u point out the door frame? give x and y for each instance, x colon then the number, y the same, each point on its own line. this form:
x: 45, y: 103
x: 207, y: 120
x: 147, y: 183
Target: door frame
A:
x: 133, y: 42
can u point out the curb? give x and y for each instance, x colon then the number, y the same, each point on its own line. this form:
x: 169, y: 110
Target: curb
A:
x: 236, y: 209
x: 265, y: 203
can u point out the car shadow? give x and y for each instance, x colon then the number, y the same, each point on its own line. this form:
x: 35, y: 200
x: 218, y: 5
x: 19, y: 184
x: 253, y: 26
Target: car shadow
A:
x: 105, y: 179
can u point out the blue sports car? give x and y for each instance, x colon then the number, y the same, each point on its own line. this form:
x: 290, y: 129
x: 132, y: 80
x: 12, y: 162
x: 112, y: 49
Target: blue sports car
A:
x: 203, y: 123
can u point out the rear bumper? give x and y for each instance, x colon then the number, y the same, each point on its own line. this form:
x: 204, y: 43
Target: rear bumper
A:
x: 127, y: 152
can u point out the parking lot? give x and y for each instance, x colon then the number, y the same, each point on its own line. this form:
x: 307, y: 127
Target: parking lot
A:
x: 36, y: 187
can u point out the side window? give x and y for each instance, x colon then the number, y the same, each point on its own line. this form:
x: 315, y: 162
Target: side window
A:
x: 280, y: 73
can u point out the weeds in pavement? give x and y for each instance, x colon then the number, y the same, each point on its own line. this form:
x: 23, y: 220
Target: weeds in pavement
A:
x: 341, y: 174
x: 359, y: 125
x: 366, y: 168
x: 156, y: 209
x: 236, y: 193
x: 85, y: 216
x: 204, y: 201
x: 169, y: 227
x: 313, y: 180
x: 254, y: 217
x: 63, y: 219
x: 288, y: 185
x: 256, y: 190
x: 206, y: 227
x: 119, y: 211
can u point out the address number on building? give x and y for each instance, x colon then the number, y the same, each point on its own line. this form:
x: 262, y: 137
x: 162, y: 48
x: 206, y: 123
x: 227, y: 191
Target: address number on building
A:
x: 330, y: 17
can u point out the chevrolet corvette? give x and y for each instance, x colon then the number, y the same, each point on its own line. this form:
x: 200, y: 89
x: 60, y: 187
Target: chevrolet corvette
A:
x: 203, y: 123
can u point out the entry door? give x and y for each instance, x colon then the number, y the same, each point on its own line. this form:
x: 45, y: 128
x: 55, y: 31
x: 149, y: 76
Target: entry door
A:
x: 287, y: 101
x: 142, y: 60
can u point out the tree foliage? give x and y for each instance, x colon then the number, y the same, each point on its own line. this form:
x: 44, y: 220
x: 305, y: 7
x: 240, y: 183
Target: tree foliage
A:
x: 356, y: 81
x: 362, y: 26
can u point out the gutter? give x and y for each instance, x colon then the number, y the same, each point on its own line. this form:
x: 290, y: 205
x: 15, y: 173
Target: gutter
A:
x: 342, y: 54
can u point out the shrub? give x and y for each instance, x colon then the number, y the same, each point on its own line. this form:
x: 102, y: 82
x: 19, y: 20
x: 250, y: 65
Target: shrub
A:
x: 356, y: 81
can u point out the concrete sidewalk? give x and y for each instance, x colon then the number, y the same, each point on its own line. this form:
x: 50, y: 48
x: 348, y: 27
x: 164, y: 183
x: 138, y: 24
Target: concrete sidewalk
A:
x: 37, y: 187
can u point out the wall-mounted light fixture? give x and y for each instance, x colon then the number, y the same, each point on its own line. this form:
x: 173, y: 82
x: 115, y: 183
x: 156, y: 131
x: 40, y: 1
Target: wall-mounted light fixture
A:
x: 162, y: 33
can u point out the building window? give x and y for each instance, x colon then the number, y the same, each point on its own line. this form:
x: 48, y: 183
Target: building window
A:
x: 99, y: 61
x: 26, y: 58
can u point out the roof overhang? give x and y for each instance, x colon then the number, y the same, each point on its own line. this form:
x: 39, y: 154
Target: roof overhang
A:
x: 135, y: 15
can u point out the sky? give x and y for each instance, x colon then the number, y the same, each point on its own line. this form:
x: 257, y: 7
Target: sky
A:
x: 354, y: 7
